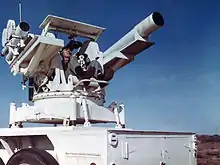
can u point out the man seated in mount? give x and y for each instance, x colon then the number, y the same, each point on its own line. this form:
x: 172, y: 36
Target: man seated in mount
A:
x: 81, y: 66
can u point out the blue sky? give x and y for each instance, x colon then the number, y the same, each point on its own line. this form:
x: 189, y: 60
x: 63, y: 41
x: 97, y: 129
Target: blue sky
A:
x: 174, y: 85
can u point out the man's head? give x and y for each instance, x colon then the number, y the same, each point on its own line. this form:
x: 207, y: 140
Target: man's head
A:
x: 66, y: 52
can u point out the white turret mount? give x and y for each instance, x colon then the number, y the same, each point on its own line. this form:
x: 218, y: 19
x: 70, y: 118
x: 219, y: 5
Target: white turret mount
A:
x: 62, y: 100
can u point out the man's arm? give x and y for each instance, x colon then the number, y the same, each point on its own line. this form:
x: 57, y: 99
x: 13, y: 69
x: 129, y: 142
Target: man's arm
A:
x: 54, y: 63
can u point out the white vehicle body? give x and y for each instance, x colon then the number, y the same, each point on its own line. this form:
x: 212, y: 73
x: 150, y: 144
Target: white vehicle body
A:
x: 106, y: 146
x: 74, y: 108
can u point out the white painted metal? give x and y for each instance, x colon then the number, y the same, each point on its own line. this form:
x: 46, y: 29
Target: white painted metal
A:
x: 123, y: 51
x: 72, y: 27
x: 75, y: 108
x: 83, y: 145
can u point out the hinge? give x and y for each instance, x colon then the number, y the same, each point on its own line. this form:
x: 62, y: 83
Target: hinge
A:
x: 125, y: 150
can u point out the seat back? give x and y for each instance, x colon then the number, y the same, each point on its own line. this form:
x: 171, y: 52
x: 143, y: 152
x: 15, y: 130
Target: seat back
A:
x: 91, y: 49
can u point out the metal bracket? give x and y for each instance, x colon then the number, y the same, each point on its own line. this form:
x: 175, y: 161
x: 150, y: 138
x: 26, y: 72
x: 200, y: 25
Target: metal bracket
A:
x: 66, y: 122
x: 45, y: 30
x: 85, y: 112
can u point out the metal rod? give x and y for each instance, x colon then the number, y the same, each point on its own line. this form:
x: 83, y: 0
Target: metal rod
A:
x: 20, y: 11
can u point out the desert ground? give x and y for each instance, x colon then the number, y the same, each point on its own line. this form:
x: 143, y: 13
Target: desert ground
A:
x: 208, y: 149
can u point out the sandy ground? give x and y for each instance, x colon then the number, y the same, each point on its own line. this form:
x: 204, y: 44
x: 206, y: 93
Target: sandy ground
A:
x: 208, y: 150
